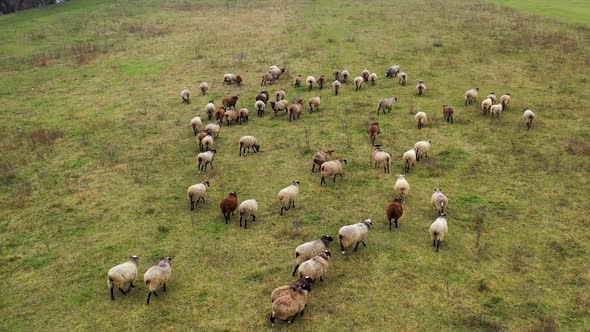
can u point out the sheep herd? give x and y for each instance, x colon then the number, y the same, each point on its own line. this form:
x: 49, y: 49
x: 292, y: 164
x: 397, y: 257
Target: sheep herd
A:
x: 312, y: 258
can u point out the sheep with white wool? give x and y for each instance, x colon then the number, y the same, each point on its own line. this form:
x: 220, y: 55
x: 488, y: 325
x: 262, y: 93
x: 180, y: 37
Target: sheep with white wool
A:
x: 122, y: 274
x: 528, y: 117
x: 287, y: 196
x: 505, y: 99
x: 247, y: 142
x: 401, y: 187
x: 310, y: 81
x: 321, y: 157
x: 439, y: 201
x: 280, y: 95
x: 157, y: 276
x: 229, y: 79
x: 492, y: 96
x: 276, y: 71
x: 231, y: 116
x: 196, y: 124
x: 260, y: 106
x: 392, y: 71
x: 356, y: 233
x: 289, y: 289
x: 386, y: 104
x: 422, y: 148
x: 311, y: 249
x: 420, y: 88
x: 365, y: 75
x: 248, y: 208
x: 282, y: 105
x: 381, y: 157
x: 210, y: 109
x: 204, y: 159
x: 345, y: 75
x: 214, y: 128
x: 403, y: 77
x: 495, y: 110
x: 199, y: 138
x: 243, y: 115
x: 314, y: 103
x: 197, y: 192
x: 358, y: 82
x: 409, y: 158
x: 204, y: 88
x: 438, y: 230
x: 287, y: 307
x: 208, y: 143
x: 373, y: 78
x: 332, y: 168
x: 336, y: 85
x: 186, y: 96
x: 471, y: 95
x: 316, y: 267
x: 421, y: 119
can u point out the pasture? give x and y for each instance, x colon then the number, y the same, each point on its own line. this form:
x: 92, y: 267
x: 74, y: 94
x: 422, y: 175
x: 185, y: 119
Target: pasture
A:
x: 96, y: 154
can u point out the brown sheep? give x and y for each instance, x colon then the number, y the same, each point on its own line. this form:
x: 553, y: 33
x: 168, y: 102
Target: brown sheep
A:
x: 373, y: 131
x: 267, y: 77
x: 229, y: 205
x: 230, y: 102
x: 322, y: 81
x: 220, y: 113
x: 295, y: 109
x: 321, y: 157
x: 448, y: 112
x: 394, y: 211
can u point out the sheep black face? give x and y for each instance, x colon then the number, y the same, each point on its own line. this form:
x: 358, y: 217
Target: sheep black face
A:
x: 296, y: 183
x: 206, y: 182
x: 327, y: 238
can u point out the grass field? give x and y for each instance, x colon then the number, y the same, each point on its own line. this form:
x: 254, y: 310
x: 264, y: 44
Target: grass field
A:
x: 570, y: 11
x: 96, y: 154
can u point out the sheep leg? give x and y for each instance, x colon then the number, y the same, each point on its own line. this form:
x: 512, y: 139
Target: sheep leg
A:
x: 112, y: 295
x: 313, y: 167
x: 245, y: 223
x: 341, y: 247
x: 389, y: 224
x: 293, y: 319
x: 437, y: 244
x: 282, y: 208
x: 240, y: 219
x: 192, y: 205
x: 130, y: 286
x: 272, y: 318
x: 155, y: 294
x: 148, y: 299
x: 295, y: 270
x: 434, y: 242
x: 357, y: 245
x: 322, y: 181
x: 164, y: 287
x: 122, y: 291
x: 293, y: 204
x: 321, y: 279
x: 341, y: 177
x: 395, y: 227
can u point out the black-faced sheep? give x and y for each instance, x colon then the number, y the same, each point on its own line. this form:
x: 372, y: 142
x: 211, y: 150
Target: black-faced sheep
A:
x: 204, y: 87
x: 314, y: 103
x: 295, y: 110
x: 336, y: 85
x: 386, y: 104
x: 528, y: 117
x: 287, y: 196
x: 409, y: 158
x: 287, y: 307
x: 186, y: 96
x: 381, y: 157
x: 247, y: 142
x: 471, y: 95
x: 157, y: 276
x: 332, y: 168
x: 356, y: 233
x: 204, y: 159
x: 196, y: 193
x: 505, y: 99
x: 345, y: 75
x: 439, y: 201
x: 248, y: 208
x: 122, y: 274
x: 421, y: 119
x: 358, y: 82
x: 420, y: 88
x: 392, y: 71
x: 316, y: 267
x: 321, y: 157
x: 310, y: 81
x: 311, y: 249
x: 438, y: 231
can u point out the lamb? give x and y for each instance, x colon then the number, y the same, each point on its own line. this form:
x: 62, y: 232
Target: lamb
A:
x: 208, y: 143
x: 157, y: 276
x: 287, y: 196
x: 214, y: 128
x: 220, y: 113
x: 289, y: 306
x: 260, y: 106
x: 196, y: 193
x: 204, y: 87
x: 199, y: 138
x: 471, y: 95
x: 231, y: 116
x: 505, y: 99
x: 316, y: 267
x: 229, y: 79
x: 186, y: 96
x: 492, y: 96
x: 401, y: 187
x: 243, y: 115
x: 196, y: 124
x: 295, y: 109
x: 332, y: 168
x: 311, y: 249
x: 247, y: 142
x: 528, y: 117
x: 345, y: 75
x: 365, y: 75
x: 356, y: 233
x: 394, y: 211
x: 248, y: 208
x: 392, y: 71
x: 210, y: 109
x: 321, y: 157
x: 336, y: 73
x: 381, y: 158
x: 373, y: 131
x: 336, y: 85
x: 282, y: 105
x: 121, y: 274
x: 420, y: 88
x: 205, y: 158
x: 486, y: 104
x: 448, y: 112
x: 358, y: 82
x: 439, y: 201
x: 314, y: 102
x: 230, y: 102
x: 386, y: 104
x: 421, y: 119
x: 321, y: 81
x: 229, y: 205
x: 373, y: 78
x: 267, y: 78
x: 409, y: 158
x: 495, y: 110
x: 422, y: 148
x: 288, y: 289
x: 403, y: 77
x: 280, y: 95
x: 438, y: 230
x: 310, y: 81
x: 298, y: 80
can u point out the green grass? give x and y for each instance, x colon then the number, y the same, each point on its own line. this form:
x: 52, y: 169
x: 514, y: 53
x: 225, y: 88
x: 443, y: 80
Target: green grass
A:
x: 569, y: 11
x: 96, y: 154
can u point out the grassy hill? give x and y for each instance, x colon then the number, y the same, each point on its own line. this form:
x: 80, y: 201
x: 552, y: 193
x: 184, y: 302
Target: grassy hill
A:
x: 96, y: 153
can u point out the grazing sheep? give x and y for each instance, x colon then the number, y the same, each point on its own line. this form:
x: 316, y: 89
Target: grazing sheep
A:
x: 157, y: 276
x: 229, y: 205
x: 280, y: 95
x: 401, y: 187
x: 386, y: 104
x: 486, y: 104
x: 314, y: 102
x: 439, y: 201
x: 276, y: 71
x: 264, y: 96
x: 528, y: 117
x: 373, y: 131
x: 247, y: 142
x: 210, y: 109
x: 336, y: 85
x: 321, y: 157
x: 381, y: 158
x: 438, y: 230
x: 420, y: 88
x: 204, y: 159
x: 260, y: 106
x: 230, y: 102
x: 208, y: 143
x: 316, y: 267
x: 373, y: 78
x: 199, y: 138
x: 505, y: 99
x: 345, y: 75
x: 365, y: 75
x: 267, y: 78
x: 231, y: 116
x: 332, y: 168
x: 471, y: 95
x: 495, y: 110
x: 196, y: 193
x: 220, y: 113
x: 186, y: 96
x: 310, y: 82
x: 321, y: 81
x: 229, y: 79
x: 282, y: 105
x: 336, y: 73
x: 204, y: 87
x: 214, y: 128
x: 298, y: 80
x: 287, y: 307
x: 421, y: 119
x: 409, y: 158
x: 422, y: 148
x: 121, y: 274
x: 311, y: 249
x: 288, y: 289
x: 295, y: 109
x: 196, y: 124
x: 238, y: 80
x: 392, y: 71
x: 287, y: 196
x: 403, y: 77
x: 243, y: 115
x: 394, y: 211
x: 356, y: 233
x: 248, y: 208
x: 492, y: 96
x: 448, y: 112
x: 358, y: 82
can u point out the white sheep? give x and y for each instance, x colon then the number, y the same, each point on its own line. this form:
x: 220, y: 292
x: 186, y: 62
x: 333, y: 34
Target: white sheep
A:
x: 345, y: 75
x: 281, y: 105
x: 439, y: 201
x: 336, y: 85
x: 196, y: 124
x: 287, y: 196
x: 229, y: 79
x: 492, y: 96
x: 495, y: 110
x: 260, y: 106
x: 287, y: 307
x: 121, y: 274
x: 310, y: 81
x: 316, y: 267
x: 288, y: 289
x: 275, y: 70
x: 358, y: 82
x: 392, y: 71
x: 471, y: 95
x: 421, y: 119
x: 186, y: 96
x: 373, y: 78
x: 386, y: 104
x: 422, y: 148
x: 381, y: 157
x: 505, y: 99
x: 401, y: 187
x: 207, y: 143
x: 214, y: 128
x: 356, y: 233
x: 528, y: 117
x: 243, y: 115
x: 485, y: 105
x: 280, y: 95
x: 311, y: 249
x: 314, y: 103
x: 420, y: 88
x: 197, y: 192
x: 365, y: 75
x: 438, y: 230
x: 248, y: 208
x: 332, y: 168
x: 409, y: 158
x: 210, y: 109
x: 247, y: 142
x: 204, y: 87
x: 204, y: 159
x: 157, y: 276
x: 403, y: 77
